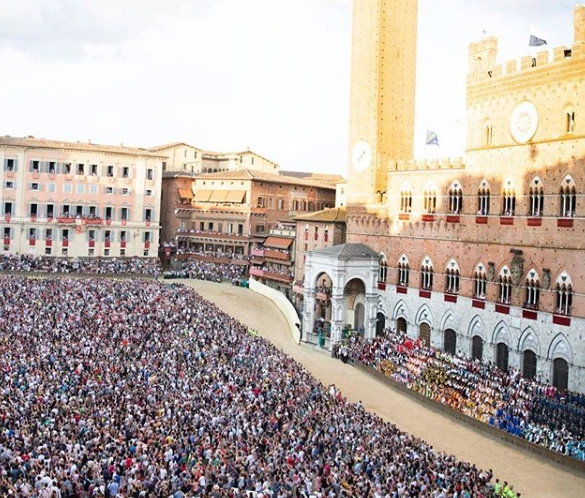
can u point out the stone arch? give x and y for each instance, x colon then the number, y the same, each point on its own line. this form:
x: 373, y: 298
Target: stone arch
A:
x: 560, y: 348
x: 502, y: 334
x: 381, y: 306
x: 349, y: 278
x: 448, y: 321
x: 400, y: 311
x: 424, y: 315
x: 319, y: 272
x: 529, y: 341
x: 476, y: 327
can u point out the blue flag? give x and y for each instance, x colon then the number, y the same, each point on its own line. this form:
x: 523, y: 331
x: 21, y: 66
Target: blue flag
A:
x: 432, y: 138
x: 535, y: 41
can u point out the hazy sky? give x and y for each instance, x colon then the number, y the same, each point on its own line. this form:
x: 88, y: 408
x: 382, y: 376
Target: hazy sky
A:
x: 227, y: 74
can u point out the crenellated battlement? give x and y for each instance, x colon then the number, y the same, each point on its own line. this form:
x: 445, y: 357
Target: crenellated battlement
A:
x: 427, y: 164
x: 483, y: 54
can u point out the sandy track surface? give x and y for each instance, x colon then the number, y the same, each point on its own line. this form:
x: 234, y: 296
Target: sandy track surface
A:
x: 533, y: 477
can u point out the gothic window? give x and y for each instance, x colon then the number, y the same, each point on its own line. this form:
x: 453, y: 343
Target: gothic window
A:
x: 536, y: 193
x: 426, y: 275
x: 488, y: 134
x: 403, y: 271
x: 564, y: 294
x: 568, y: 196
x: 406, y: 198
x: 483, y: 199
x: 455, y: 198
x: 452, y: 278
x: 532, y: 287
x: 430, y: 199
x: 508, y: 199
x: 480, y: 282
x: 569, y: 124
x: 505, y: 284
x: 383, y: 270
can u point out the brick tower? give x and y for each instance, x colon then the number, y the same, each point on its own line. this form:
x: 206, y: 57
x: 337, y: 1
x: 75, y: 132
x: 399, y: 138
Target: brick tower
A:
x: 383, y: 76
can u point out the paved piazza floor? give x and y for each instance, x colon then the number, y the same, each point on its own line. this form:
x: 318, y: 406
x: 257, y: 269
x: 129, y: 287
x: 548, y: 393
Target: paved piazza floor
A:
x: 531, y: 476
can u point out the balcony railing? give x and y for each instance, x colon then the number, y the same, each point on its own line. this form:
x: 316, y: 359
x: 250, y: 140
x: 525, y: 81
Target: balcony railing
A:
x: 209, y: 234
x: 257, y: 252
x: 280, y: 256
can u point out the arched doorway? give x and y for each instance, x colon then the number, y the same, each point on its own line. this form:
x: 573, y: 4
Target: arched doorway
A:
x: 424, y: 333
x: 401, y: 325
x: 502, y: 356
x: 380, y: 324
x: 358, y: 319
x: 477, y: 348
x: 450, y: 341
x: 529, y: 364
x: 560, y: 374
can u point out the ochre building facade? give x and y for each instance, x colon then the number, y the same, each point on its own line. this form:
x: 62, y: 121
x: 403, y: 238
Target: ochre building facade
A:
x: 480, y: 255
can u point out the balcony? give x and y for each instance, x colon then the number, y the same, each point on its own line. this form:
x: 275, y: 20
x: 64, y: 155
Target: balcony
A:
x: 279, y: 277
x: 276, y: 255
x: 534, y: 221
x: 298, y: 288
x: 256, y: 251
x: 66, y: 220
x: 506, y: 220
x: 323, y: 294
x: 453, y: 218
x: 428, y: 217
x: 256, y: 272
x: 96, y: 221
x: 211, y: 235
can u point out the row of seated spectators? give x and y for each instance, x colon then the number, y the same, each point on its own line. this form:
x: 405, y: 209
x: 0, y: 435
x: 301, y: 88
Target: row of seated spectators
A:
x: 215, y: 254
x: 205, y: 270
x: 132, y: 388
x: 526, y: 408
x: 48, y: 264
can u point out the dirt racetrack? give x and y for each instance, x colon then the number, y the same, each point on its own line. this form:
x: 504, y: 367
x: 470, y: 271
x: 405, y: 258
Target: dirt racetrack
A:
x: 531, y: 476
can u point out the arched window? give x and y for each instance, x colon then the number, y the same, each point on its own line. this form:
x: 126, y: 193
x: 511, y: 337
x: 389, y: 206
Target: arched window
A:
x: 383, y: 270
x: 401, y: 325
x: 505, y: 284
x: 508, y: 199
x: 560, y: 374
x: 569, y: 121
x: 426, y: 275
x: 483, y: 199
x: 406, y: 198
x: 303, y: 205
x: 564, y: 294
x: 430, y: 199
x: 502, y: 356
x: 536, y: 193
x: 477, y: 348
x: 568, y: 196
x: 479, y: 282
x: 403, y: 271
x: 450, y: 341
x: 424, y: 333
x: 455, y: 198
x: 295, y: 205
x: 452, y: 278
x: 488, y: 133
x: 529, y: 364
x: 532, y: 291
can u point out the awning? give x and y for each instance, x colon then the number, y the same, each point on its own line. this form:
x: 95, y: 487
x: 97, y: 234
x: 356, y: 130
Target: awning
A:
x: 235, y: 196
x: 278, y: 242
x: 202, y: 195
x: 185, y: 193
x: 218, y: 195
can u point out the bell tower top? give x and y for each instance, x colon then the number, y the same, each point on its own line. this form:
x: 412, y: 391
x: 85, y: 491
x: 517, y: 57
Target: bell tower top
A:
x: 383, y: 74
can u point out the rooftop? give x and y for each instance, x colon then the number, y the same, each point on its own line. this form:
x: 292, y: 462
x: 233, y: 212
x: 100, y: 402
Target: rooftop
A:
x: 330, y: 215
x: 348, y: 251
x: 250, y: 174
x: 43, y: 143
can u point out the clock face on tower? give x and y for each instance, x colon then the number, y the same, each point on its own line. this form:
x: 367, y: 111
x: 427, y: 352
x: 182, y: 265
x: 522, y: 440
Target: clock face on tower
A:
x: 361, y: 156
x: 523, y: 122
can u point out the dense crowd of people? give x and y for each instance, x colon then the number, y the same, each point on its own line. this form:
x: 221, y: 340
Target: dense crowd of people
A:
x: 208, y: 270
x: 133, y: 388
x: 526, y: 408
x: 50, y: 264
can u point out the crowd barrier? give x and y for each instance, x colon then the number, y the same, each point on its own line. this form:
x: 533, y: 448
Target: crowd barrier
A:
x: 283, y: 304
x: 564, y: 461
